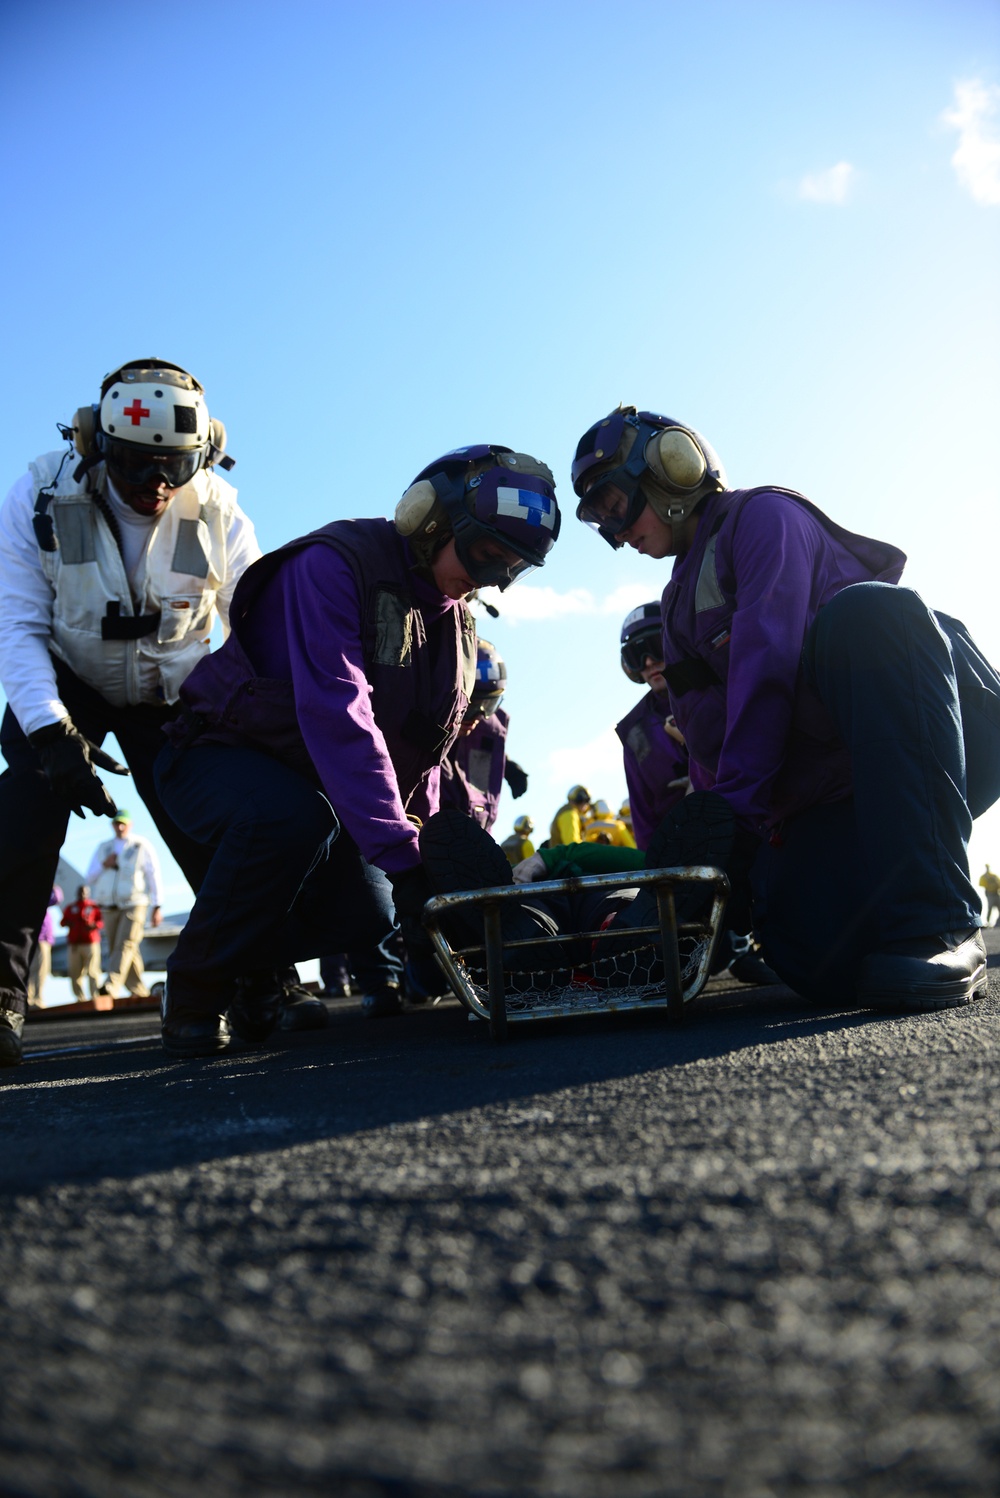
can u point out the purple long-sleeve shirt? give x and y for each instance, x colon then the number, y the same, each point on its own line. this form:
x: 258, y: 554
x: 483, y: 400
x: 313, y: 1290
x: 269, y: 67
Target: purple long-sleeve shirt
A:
x: 742, y: 600
x: 306, y: 628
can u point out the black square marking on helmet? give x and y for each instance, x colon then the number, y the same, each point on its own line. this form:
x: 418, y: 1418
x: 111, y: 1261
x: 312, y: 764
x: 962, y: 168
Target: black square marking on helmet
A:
x: 185, y: 419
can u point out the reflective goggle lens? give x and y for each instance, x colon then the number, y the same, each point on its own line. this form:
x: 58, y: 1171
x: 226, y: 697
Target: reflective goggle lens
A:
x: 482, y: 707
x: 647, y: 643
x: 489, y: 565
x: 604, y: 506
x: 137, y: 465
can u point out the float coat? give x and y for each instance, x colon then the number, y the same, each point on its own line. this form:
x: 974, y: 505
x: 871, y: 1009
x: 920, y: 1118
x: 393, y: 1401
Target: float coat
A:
x: 652, y: 760
x: 419, y: 651
x: 472, y: 772
x: 754, y: 727
x: 133, y: 650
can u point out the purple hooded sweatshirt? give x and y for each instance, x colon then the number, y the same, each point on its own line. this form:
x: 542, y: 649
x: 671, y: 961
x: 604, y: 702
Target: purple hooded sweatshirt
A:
x: 652, y: 760
x: 472, y: 773
x: 346, y: 665
x: 735, y: 616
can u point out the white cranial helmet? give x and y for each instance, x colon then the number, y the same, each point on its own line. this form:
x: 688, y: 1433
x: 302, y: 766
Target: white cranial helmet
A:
x: 158, y: 407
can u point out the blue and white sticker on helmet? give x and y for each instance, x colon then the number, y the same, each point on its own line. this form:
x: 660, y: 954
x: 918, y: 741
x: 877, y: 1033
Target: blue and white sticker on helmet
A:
x: 636, y: 617
x: 526, y: 505
x: 487, y: 670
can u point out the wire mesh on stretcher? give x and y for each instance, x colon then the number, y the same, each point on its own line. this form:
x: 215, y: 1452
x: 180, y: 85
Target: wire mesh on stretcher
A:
x: 661, y: 964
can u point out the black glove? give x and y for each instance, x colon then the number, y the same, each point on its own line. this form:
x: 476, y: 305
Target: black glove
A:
x: 516, y: 778
x: 410, y: 892
x: 68, y: 760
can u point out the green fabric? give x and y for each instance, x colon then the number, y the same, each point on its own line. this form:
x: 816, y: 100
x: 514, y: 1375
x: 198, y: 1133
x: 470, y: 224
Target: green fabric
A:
x: 569, y: 860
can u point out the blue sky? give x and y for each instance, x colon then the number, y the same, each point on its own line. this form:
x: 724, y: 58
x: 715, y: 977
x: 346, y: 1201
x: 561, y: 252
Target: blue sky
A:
x: 379, y: 232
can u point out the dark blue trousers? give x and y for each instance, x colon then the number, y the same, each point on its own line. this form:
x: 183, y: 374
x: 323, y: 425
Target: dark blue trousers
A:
x: 919, y: 709
x: 284, y: 883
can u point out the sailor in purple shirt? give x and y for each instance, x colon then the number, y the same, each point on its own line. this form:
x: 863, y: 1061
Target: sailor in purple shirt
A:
x: 827, y: 711
x: 476, y: 766
x: 307, y: 739
x: 657, y: 769
x: 656, y: 757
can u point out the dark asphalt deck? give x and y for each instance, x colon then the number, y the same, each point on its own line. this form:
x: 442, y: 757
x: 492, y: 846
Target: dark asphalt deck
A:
x: 757, y: 1255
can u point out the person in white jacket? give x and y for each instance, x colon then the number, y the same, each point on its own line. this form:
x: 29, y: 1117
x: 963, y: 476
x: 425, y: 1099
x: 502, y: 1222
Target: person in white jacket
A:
x: 124, y: 875
x: 116, y: 554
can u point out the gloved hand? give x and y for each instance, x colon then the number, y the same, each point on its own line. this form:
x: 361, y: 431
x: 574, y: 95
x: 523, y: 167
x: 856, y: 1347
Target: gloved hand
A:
x: 410, y: 892
x: 68, y: 760
x: 516, y: 778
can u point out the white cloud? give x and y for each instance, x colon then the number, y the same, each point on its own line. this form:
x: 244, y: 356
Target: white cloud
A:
x: 600, y: 759
x: 831, y: 186
x: 624, y: 599
x: 977, y: 156
x: 530, y: 603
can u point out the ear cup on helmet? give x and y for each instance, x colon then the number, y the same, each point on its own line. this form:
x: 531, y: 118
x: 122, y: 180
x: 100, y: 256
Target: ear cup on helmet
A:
x: 414, y: 509
x: 85, y: 431
x: 217, y: 436
x: 675, y: 457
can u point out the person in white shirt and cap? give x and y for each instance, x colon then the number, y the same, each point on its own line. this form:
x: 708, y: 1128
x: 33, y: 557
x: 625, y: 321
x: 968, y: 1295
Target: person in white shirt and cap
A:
x: 124, y: 875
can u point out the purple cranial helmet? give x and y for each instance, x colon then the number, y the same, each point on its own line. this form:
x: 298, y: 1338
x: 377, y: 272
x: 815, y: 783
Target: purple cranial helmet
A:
x: 631, y: 458
x: 642, y: 636
x: 491, y: 680
x: 498, y: 504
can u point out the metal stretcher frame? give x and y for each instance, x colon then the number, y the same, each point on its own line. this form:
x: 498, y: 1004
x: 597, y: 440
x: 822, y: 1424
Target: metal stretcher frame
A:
x: 674, y: 994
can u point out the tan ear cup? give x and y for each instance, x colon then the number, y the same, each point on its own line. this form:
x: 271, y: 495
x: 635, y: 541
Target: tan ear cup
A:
x: 84, y: 430
x: 217, y: 435
x: 415, y: 507
x: 673, y: 455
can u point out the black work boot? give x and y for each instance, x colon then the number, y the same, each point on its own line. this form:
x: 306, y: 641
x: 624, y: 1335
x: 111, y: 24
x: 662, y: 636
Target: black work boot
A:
x: 255, y: 1009
x: 189, y: 1031
x: 741, y: 958
x: 459, y: 857
x: 383, y: 1003
x: 302, y: 1010
x: 926, y: 973
x: 11, y: 1048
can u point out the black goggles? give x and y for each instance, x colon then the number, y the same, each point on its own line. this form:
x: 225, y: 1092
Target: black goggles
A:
x: 612, y: 506
x: 482, y: 707
x: 645, y: 644
x: 490, y: 563
x: 139, y: 465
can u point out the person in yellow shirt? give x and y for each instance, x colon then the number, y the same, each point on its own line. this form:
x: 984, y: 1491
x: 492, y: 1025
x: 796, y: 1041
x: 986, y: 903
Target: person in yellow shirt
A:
x: 605, y: 827
x: 519, y: 846
x: 990, y: 883
x: 570, y: 820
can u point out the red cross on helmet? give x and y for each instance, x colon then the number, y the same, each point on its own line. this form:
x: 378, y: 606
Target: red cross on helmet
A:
x: 153, y: 421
